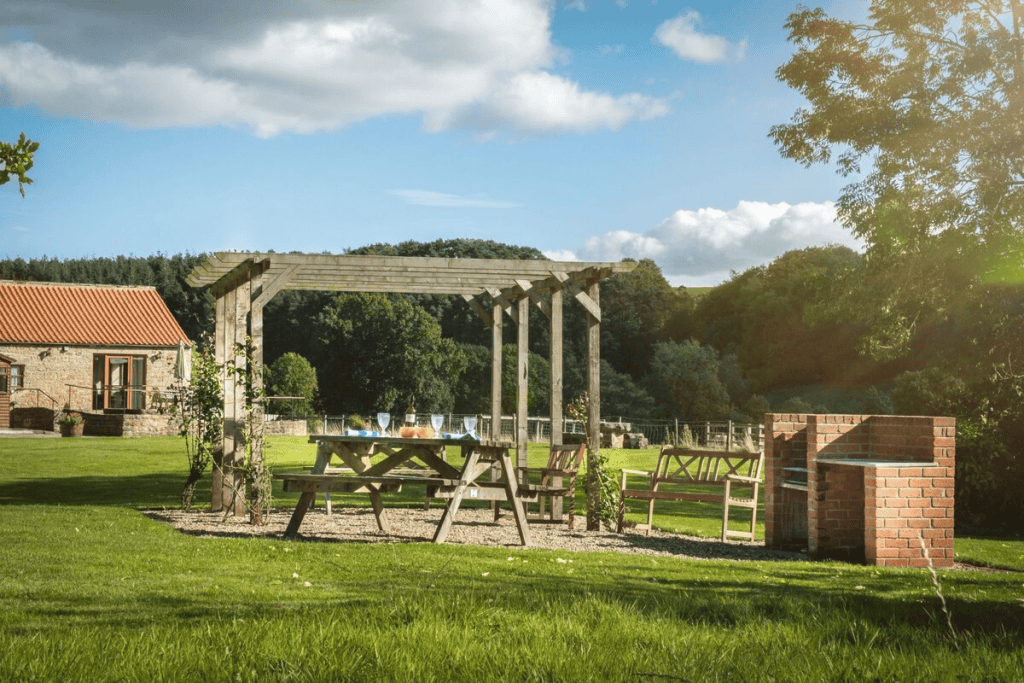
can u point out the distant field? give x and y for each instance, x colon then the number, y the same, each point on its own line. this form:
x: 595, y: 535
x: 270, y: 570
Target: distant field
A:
x: 698, y: 292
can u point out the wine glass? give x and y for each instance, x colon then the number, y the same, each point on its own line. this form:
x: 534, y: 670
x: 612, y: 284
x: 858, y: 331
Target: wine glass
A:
x: 383, y: 419
x: 436, y: 421
x: 470, y: 424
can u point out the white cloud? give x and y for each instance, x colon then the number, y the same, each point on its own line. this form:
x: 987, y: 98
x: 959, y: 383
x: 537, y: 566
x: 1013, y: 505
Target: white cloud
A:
x: 441, y: 199
x: 540, y: 102
x: 702, y: 247
x: 303, y: 67
x: 561, y: 255
x: 681, y: 35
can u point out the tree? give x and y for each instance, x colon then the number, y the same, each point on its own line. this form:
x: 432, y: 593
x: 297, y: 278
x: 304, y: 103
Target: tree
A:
x: 636, y: 308
x: 292, y: 375
x: 621, y: 396
x: 17, y: 161
x: 377, y: 354
x: 473, y: 389
x: 928, y: 95
x: 684, y: 382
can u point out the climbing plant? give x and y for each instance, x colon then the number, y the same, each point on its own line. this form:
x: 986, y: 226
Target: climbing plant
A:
x: 200, y: 410
x: 607, y: 503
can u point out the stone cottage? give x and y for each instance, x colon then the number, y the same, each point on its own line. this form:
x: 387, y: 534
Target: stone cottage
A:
x: 110, y: 353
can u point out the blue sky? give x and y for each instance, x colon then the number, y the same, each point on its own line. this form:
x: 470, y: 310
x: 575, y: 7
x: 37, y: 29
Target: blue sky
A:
x: 589, y: 130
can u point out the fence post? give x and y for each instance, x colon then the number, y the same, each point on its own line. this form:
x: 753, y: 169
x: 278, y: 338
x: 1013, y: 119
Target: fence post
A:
x: 728, y: 437
x: 676, y: 442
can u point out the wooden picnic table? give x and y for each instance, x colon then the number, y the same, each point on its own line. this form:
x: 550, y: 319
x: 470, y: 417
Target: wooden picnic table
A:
x: 408, y: 461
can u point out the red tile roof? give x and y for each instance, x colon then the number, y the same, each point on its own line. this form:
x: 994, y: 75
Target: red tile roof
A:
x: 51, y: 313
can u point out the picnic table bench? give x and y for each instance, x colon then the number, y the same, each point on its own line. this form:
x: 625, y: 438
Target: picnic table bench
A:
x: 696, y: 475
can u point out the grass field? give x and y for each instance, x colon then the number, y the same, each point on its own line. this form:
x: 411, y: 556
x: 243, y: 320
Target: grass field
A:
x: 91, y: 590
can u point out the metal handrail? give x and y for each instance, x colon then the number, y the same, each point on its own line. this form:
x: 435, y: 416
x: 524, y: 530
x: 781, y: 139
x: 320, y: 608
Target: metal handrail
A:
x: 53, y: 401
x: 130, y: 389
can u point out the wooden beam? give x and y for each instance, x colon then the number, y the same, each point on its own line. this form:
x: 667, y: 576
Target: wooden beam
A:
x: 594, y: 405
x: 496, y: 342
x: 522, y: 381
x: 505, y: 304
x: 478, y: 309
x: 555, y: 360
x: 400, y: 274
x: 529, y: 290
x: 593, y: 308
x: 233, y: 278
x: 266, y: 291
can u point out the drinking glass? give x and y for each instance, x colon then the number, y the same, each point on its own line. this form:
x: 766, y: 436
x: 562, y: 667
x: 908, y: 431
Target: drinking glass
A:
x: 470, y: 424
x: 436, y: 421
x: 383, y: 419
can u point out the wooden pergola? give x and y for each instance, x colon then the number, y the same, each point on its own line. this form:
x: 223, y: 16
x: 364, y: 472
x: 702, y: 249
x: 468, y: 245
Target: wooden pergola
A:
x: 243, y: 284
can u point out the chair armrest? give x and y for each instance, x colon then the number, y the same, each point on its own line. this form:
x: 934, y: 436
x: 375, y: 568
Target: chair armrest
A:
x: 748, y: 480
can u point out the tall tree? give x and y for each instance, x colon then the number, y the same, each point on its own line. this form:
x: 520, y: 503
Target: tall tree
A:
x: 684, y: 380
x: 928, y: 95
x: 636, y: 308
x: 375, y: 354
x: 291, y: 375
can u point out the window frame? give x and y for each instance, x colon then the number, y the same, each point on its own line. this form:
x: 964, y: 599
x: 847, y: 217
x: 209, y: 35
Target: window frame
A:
x: 133, y: 388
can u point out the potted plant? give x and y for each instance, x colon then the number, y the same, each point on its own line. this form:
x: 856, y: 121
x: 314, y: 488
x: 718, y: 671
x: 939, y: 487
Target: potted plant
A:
x: 71, y: 424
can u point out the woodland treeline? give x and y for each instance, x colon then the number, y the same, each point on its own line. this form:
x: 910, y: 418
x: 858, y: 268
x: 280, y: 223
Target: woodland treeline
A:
x: 772, y: 338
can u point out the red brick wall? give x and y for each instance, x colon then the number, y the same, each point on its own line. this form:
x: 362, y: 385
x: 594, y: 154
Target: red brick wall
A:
x: 907, y: 506
x: 785, y: 446
x: 839, y: 523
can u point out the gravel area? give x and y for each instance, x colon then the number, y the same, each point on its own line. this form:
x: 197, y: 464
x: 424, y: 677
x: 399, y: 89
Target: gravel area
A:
x: 476, y: 526
x: 473, y: 526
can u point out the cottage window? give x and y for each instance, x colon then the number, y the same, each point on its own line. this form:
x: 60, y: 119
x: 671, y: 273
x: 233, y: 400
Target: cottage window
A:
x: 119, y: 382
x: 11, y: 379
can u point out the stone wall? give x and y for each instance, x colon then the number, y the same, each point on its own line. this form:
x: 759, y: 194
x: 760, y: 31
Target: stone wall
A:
x: 51, y: 368
x: 33, y: 418
x: 286, y: 427
x: 129, y: 424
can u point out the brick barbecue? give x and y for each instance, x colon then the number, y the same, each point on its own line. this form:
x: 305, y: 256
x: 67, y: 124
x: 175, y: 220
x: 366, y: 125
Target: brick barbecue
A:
x: 862, y: 488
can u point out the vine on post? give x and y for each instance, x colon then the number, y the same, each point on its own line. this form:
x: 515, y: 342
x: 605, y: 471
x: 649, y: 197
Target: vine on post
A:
x: 608, y: 490
x: 200, y: 411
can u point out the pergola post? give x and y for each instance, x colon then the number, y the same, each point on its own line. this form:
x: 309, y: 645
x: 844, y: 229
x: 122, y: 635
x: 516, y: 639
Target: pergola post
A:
x: 522, y: 379
x: 228, y: 492
x: 556, y: 368
x: 594, y: 405
x: 497, y: 320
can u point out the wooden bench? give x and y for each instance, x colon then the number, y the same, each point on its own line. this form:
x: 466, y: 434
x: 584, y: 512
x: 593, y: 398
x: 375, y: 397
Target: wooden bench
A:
x: 412, y: 472
x: 695, y: 475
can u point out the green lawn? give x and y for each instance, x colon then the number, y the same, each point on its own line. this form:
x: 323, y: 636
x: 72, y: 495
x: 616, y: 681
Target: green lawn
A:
x: 91, y: 590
